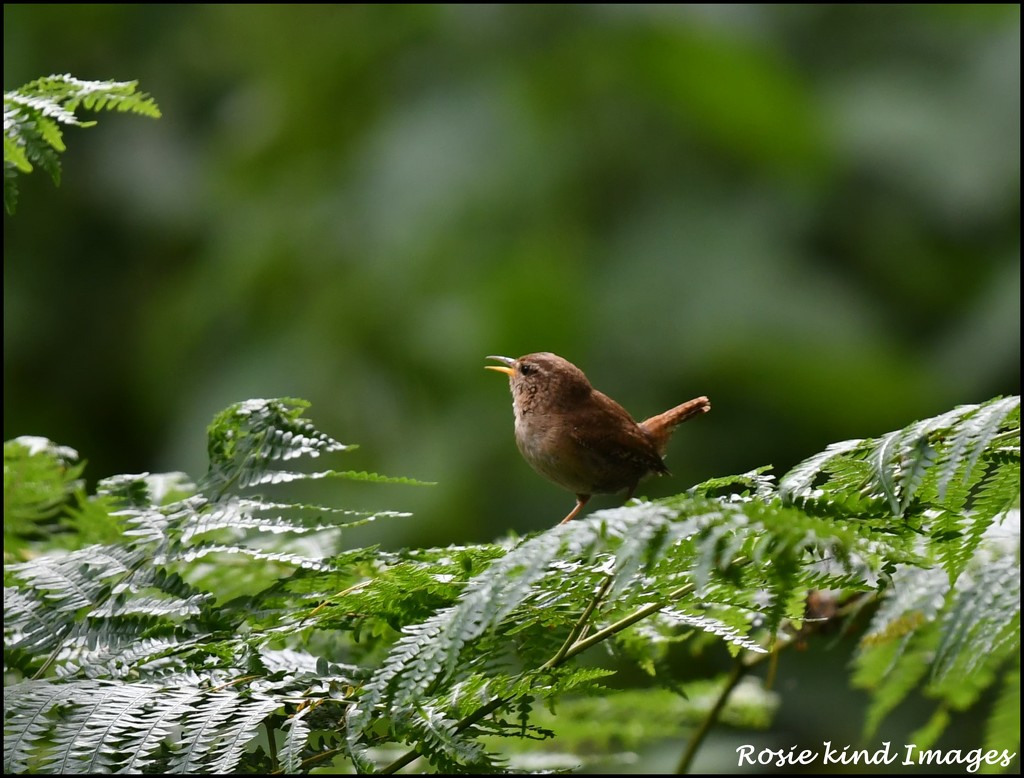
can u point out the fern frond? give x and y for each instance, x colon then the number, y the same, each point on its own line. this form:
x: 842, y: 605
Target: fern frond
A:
x: 152, y: 657
x: 901, y: 459
x: 65, y: 93
x: 201, y: 550
x: 34, y: 113
x: 18, y: 163
x: 26, y: 723
x: 104, y: 614
x: 27, y: 627
x: 444, y: 748
x: 915, y: 597
x: 216, y: 615
x: 39, y: 476
x: 156, y: 724
x: 87, y: 727
x: 759, y: 483
x: 296, y: 733
x: 713, y: 627
x: 218, y: 730
x: 641, y: 548
x: 42, y: 487
x: 231, y: 515
x: 77, y: 580
x: 248, y: 437
x: 80, y: 738
x: 798, y: 482
x: 983, y: 622
x: 245, y: 442
x: 653, y: 556
x: 429, y: 652
x: 892, y: 670
x: 629, y: 719
x: 949, y: 635
x: 285, y: 476
x: 973, y: 436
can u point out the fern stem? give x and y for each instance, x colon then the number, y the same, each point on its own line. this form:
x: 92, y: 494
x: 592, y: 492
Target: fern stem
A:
x: 580, y: 628
x: 271, y: 743
x: 739, y: 669
x: 626, y: 621
x: 637, y: 615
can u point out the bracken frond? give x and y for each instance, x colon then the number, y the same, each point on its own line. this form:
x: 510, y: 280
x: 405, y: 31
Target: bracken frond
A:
x: 34, y: 113
x: 220, y: 631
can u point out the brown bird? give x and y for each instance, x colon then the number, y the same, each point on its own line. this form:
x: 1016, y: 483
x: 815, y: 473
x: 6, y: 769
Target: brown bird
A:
x: 578, y: 437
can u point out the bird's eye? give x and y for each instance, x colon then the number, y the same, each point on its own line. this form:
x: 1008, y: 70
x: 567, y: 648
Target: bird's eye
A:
x: 526, y: 368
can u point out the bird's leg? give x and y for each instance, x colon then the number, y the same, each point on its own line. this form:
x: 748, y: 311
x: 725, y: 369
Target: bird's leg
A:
x: 581, y: 500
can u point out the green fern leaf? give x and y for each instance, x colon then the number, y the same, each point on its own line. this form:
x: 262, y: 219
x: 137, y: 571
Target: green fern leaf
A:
x: 296, y: 734
x: 216, y: 730
x: 18, y: 161
x: 42, y: 481
x: 14, y: 156
x: 759, y: 482
x: 797, y: 482
x: 201, y: 550
x: 34, y: 113
x: 882, y: 460
x: 902, y: 661
x: 77, y: 580
x: 353, y: 475
x: 87, y: 716
x: 26, y: 722
x: 248, y: 437
x: 447, y: 751
x: 983, y: 622
x: 430, y: 651
x: 714, y: 627
x: 971, y: 437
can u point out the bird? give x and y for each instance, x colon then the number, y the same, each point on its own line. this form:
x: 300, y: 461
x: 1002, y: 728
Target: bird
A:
x: 580, y: 438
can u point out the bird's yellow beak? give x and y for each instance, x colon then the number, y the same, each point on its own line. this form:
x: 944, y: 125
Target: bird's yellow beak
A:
x: 506, y: 368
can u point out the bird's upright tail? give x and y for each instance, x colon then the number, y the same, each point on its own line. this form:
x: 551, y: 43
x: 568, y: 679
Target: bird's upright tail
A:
x: 660, y: 427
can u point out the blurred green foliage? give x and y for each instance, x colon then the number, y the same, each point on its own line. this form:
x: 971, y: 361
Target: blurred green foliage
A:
x: 809, y: 213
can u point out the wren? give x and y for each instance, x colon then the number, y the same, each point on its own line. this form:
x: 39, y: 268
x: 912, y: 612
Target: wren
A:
x: 580, y: 438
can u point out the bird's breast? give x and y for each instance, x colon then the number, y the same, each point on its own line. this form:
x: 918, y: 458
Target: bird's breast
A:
x: 557, y: 449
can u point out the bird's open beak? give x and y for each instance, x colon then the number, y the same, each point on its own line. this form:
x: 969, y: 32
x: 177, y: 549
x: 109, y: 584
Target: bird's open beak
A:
x: 506, y: 368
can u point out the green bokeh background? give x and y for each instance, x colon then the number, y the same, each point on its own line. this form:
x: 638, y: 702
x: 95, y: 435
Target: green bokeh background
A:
x: 809, y: 213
